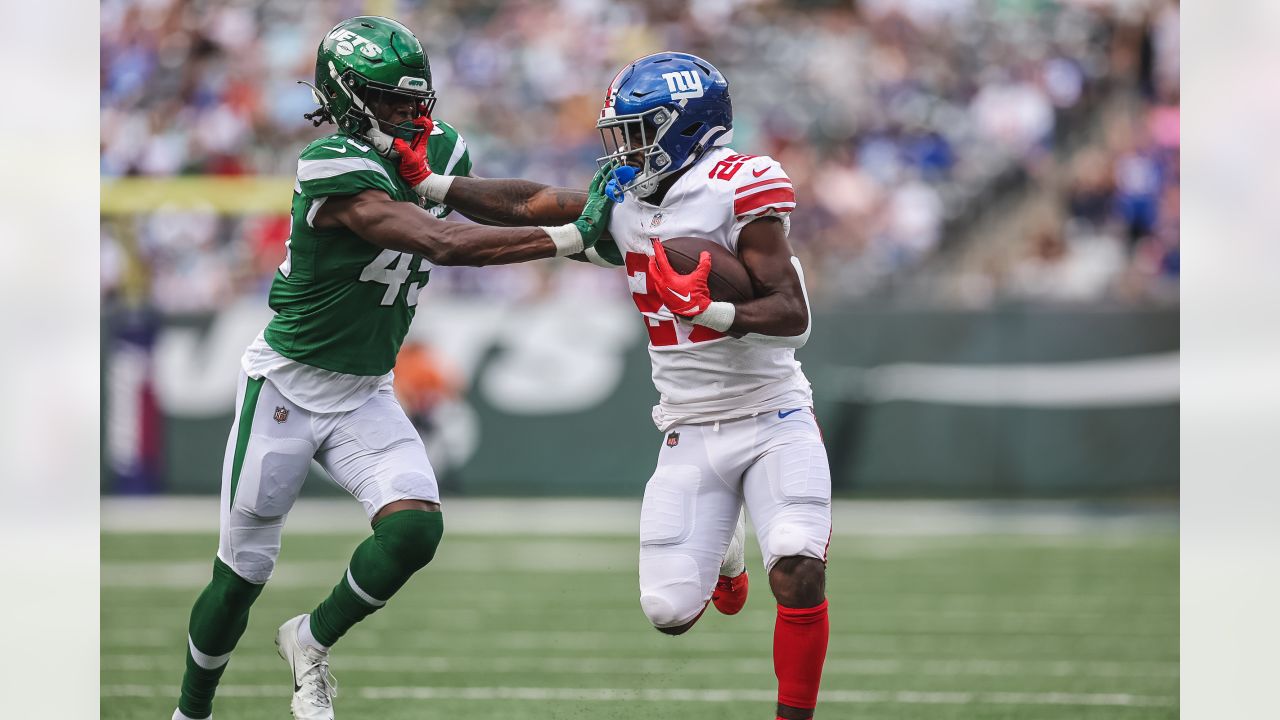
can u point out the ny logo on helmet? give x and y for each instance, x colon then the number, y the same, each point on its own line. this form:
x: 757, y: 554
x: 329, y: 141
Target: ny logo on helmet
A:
x: 684, y: 84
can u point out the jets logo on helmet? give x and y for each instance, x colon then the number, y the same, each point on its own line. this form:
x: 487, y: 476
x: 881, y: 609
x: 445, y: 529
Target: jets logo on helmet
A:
x: 349, y: 41
x: 371, y: 61
x: 661, y: 113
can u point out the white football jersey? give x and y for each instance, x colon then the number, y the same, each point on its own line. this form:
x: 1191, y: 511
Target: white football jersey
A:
x: 703, y: 375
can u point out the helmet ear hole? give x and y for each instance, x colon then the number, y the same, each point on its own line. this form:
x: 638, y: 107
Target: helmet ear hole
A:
x: 691, y: 130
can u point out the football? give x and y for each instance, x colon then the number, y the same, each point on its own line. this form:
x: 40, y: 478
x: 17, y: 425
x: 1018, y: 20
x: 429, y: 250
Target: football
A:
x: 728, y: 280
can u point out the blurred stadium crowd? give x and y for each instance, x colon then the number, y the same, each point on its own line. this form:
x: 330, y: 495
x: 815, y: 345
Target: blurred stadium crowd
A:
x: 902, y: 123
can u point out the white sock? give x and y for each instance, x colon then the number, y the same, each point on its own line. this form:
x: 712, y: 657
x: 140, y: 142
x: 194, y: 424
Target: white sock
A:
x: 177, y: 715
x: 735, y: 557
x: 306, y: 638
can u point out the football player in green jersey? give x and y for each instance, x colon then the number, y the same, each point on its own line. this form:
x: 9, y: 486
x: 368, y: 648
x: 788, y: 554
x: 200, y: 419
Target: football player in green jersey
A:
x: 316, y: 383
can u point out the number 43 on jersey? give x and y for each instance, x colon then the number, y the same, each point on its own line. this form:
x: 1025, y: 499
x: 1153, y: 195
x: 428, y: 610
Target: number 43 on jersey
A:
x: 391, y: 268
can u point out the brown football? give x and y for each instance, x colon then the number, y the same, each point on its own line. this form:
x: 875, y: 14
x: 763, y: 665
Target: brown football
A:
x: 728, y: 280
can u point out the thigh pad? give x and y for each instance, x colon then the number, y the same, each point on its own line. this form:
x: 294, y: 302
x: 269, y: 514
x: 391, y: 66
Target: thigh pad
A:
x: 271, y: 475
x: 670, y: 501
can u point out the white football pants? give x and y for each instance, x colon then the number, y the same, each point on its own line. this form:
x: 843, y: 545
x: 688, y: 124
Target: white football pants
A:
x: 373, y: 452
x: 775, y: 462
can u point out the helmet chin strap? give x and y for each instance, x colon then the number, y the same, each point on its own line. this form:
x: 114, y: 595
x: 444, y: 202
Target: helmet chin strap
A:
x: 646, y: 188
x: 380, y: 140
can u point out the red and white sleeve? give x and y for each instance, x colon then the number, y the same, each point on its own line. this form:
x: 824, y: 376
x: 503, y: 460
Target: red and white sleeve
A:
x: 763, y: 191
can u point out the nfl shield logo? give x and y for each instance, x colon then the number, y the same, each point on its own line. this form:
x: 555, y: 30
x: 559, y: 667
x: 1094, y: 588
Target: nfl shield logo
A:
x: 282, y: 414
x: 673, y: 439
x: 656, y: 221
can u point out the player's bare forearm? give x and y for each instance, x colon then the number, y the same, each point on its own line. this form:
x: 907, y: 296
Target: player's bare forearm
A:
x: 514, y: 202
x: 779, y: 314
x: 478, y: 245
x: 779, y: 308
x: 408, y: 228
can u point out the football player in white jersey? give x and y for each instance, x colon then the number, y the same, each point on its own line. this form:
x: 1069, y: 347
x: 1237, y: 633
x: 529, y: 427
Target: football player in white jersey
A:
x: 734, y: 405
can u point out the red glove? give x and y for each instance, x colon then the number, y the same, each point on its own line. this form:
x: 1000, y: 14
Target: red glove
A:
x: 684, y: 295
x: 413, y: 156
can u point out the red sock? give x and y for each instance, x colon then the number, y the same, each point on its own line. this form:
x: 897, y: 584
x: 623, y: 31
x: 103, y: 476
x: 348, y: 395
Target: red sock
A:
x: 799, y: 649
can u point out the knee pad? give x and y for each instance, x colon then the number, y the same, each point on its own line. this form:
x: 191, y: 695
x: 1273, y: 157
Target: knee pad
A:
x: 803, y: 531
x: 670, y: 591
x: 410, y: 537
x: 786, y: 539
x: 252, y: 550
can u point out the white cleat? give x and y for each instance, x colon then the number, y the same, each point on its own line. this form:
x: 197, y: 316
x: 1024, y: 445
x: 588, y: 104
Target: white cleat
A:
x: 313, y: 686
x: 177, y: 715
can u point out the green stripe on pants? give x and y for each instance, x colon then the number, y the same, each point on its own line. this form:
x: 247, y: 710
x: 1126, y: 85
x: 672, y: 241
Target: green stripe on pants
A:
x: 245, y: 426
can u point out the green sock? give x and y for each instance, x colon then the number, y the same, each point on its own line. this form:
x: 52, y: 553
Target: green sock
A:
x: 402, y: 543
x: 218, y: 619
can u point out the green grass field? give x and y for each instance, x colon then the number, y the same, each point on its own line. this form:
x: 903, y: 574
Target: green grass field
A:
x: 517, y: 627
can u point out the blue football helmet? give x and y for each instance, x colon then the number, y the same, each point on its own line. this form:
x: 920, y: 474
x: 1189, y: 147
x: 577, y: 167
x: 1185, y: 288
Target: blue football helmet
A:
x: 661, y: 113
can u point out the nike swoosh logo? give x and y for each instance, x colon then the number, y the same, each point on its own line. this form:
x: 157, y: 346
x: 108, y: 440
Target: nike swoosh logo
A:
x: 340, y: 148
x: 784, y: 413
x: 684, y: 298
x: 758, y: 173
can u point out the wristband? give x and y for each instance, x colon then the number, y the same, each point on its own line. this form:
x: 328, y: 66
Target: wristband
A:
x: 435, y: 187
x: 718, y: 316
x: 566, y: 238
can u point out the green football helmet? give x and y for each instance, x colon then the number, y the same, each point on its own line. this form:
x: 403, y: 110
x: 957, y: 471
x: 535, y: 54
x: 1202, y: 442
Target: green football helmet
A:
x: 366, y: 61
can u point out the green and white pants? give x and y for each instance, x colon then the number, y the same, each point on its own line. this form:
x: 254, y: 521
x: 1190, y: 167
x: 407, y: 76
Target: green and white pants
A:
x: 373, y: 452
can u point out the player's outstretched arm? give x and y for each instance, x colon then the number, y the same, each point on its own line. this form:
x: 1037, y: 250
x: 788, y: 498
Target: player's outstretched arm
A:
x: 513, y: 202
x: 506, y: 203
x: 403, y: 226
x: 779, y: 313
x: 498, y: 202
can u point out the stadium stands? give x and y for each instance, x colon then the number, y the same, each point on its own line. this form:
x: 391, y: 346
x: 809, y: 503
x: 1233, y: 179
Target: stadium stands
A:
x: 900, y: 122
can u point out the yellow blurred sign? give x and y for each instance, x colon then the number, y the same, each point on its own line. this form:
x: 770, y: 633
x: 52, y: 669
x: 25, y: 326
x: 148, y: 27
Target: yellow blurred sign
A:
x: 227, y: 195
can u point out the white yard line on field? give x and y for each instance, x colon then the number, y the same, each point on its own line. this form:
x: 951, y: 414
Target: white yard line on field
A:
x: 592, y: 640
x: 680, y: 695
x: 579, y: 516
x: 994, y: 620
x: 578, y: 665
x: 170, y: 574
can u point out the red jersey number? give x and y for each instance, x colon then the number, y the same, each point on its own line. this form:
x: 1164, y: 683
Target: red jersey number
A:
x: 728, y: 167
x: 661, y: 332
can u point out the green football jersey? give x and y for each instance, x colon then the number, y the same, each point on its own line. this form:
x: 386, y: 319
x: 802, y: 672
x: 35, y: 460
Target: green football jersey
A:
x: 341, y: 303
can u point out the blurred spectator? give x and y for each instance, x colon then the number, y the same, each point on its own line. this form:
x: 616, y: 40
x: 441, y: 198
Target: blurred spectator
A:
x: 1016, y: 114
x: 422, y: 382
x: 1059, y: 268
x: 1090, y: 197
